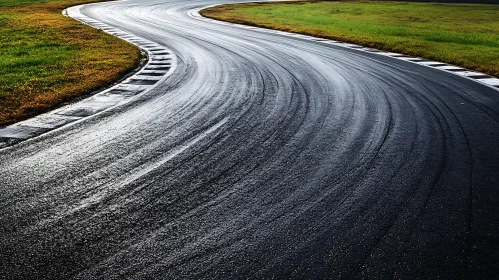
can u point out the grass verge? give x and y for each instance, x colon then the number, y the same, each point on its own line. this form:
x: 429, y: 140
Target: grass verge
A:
x: 462, y: 34
x: 47, y: 59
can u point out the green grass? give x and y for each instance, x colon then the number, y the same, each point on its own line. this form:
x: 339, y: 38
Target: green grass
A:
x: 10, y: 3
x: 460, y: 34
x: 47, y: 59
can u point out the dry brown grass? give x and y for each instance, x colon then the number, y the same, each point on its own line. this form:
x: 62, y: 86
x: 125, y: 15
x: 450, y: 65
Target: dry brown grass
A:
x: 93, y: 59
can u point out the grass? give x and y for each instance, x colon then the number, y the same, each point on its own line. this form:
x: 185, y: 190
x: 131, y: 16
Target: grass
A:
x: 47, y: 59
x: 462, y: 34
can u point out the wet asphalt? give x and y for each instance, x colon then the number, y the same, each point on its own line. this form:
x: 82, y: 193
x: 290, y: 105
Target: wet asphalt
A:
x: 261, y: 156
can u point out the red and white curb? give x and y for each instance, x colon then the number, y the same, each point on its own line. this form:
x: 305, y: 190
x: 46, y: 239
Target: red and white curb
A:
x: 482, y: 78
x: 161, y: 63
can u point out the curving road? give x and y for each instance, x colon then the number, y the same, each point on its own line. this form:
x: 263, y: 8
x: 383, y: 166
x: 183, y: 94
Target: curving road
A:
x: 261, y: 156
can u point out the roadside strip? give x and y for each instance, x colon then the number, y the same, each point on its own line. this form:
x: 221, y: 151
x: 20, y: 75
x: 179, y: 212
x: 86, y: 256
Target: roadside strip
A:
x: 161, y: 63
x: 460, y: 71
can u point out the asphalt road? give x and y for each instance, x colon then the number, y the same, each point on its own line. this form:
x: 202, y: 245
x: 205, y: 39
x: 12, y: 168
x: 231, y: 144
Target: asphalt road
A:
x: 261, y: 156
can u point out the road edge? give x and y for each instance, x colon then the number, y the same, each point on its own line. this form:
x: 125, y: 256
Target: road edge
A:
x: 481, y: 78
x: 160, y: 64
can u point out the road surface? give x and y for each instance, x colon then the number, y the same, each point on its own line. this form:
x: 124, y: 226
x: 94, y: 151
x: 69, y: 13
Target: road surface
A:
x: 261, y: 156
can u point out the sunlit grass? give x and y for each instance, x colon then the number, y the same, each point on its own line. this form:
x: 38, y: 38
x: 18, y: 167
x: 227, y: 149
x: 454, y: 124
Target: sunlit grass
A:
x: 461, y: 34
x: 47, y: 59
